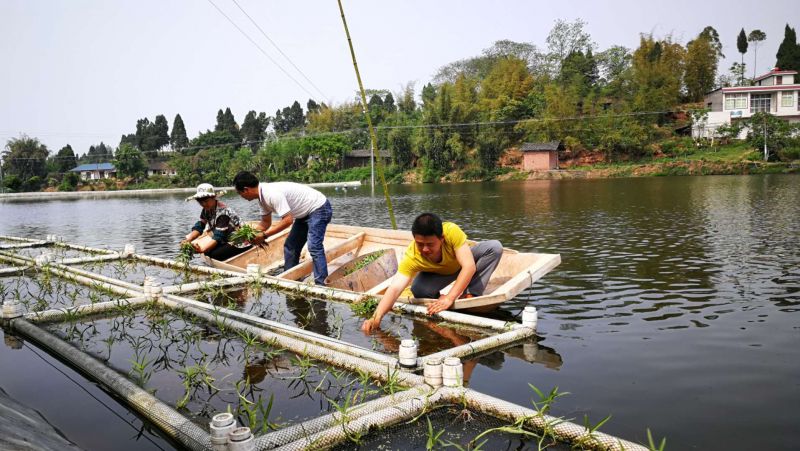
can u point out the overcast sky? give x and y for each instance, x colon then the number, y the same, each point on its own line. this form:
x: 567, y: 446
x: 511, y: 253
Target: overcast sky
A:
x: 83, y: 71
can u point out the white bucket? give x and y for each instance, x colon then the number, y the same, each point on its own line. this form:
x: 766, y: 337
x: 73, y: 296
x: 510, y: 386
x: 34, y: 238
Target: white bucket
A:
x: 530, y: 317
x: 433, y: 372
x: 452, y: 372
x: 240, y: 439
x: 221, y: 425
x: 408, y: 353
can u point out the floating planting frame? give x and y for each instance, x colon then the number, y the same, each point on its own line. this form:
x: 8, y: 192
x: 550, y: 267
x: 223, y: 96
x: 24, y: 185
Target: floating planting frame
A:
x: 438, y: 385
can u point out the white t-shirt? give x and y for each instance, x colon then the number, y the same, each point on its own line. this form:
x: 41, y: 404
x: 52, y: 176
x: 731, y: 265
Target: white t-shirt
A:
x: 289, y: 197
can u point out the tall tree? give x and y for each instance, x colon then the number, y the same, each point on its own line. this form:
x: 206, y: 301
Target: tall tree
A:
x: 566, y: 38
x: 375, y: 106
x: 144, y: 131
x: 312, y: 106
x: 701, y: 66
x: 741, y: 45
x: 657, y: 72
x: 100, y: 153
x: 254, y: 128
x: 712, y: 35
x: 388, y: 103
x: 756, y: 37
x: 160, y: 132
x: 788, y: 56
x: 297, y: 118
x: 229, y: 124
x: 178, y: 139
x: 65, y: 159
x: 407, y: 104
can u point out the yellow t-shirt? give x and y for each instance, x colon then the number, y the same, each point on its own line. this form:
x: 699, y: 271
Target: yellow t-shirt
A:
x: 413, y: 262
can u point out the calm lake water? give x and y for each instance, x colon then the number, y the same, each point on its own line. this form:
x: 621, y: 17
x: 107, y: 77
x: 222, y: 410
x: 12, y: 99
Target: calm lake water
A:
x: 676, y: 306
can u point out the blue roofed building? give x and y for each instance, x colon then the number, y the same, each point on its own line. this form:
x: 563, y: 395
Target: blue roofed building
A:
x: 95, y: 171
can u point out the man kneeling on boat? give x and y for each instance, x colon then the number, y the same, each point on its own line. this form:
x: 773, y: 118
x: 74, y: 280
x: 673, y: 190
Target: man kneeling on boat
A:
x: 438, y: 256
x: 219, y: 219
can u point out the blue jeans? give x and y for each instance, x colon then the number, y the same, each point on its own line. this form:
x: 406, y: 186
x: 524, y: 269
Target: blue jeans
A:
x: 312, y: 229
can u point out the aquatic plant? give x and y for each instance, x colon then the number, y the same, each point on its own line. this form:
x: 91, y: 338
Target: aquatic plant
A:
x: 366, y: 307
x: 245, y: 234
x: 434, y: 439
x: 185, y: 254
x: 251, y: 409
x: 139, y: 371
x: 652, y: 445
x: 363, y: 262
x: 194, y: 377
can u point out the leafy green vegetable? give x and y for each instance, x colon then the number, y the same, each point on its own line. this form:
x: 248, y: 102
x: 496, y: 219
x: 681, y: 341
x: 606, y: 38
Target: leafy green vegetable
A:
x: 185, y: 254
x: 244, y: 234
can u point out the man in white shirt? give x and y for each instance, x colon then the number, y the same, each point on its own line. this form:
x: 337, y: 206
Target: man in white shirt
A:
x: 303, y: 208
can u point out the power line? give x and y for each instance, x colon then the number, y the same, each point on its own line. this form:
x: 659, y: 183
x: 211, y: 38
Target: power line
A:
x: 279, y: 50
x: 261, y: 49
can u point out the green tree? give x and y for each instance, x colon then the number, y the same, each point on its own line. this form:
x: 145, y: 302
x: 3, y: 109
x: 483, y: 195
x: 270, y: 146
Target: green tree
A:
x: 614, y: 67
x: 375, y: 106
x: 491, y: 144
x: 160, y: 132
x: 711, y: 34
x: 100, y: 153
x: 777, y: 133
x: 407, y: 105
x: 227, y: 123
x: 741, y: 46
x: 738, y: 71
x: 312, y: 106
x: 756, y: 37
x: 65, y: 159
x: 254, y: 129
x: 25, y: 159
x: 657, y: 73
x: 564, y: 39
x: 388, y: 103
x: 289, y: 119
x: 788, y: 56
x: 402, y: 148
x: 178, y: 139
x: 700, y: 67
x: 130, y: 162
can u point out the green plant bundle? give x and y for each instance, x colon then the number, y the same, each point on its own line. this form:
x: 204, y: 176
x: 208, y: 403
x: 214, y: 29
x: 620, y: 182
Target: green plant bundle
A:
x: 244, y: 234
x: 185, y: 254
x: 366, y: 260
x: 365, y: 308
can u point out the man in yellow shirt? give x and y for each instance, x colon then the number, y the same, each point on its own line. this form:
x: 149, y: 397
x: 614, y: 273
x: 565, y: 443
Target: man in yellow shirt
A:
x: 438, y: 256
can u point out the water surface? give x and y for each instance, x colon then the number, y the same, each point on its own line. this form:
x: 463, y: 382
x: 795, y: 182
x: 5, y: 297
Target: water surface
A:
x: 675, y: 307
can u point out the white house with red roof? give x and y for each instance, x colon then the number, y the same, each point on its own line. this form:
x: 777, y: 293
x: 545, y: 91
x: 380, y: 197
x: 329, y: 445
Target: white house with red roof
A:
x: 775, y: 92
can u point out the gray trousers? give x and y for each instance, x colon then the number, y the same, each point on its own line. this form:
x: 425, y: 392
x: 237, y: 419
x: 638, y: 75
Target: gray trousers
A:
x: 486, y: 254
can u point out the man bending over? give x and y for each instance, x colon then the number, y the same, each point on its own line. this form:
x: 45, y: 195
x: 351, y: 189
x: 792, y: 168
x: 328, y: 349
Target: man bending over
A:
x: 438, y: 256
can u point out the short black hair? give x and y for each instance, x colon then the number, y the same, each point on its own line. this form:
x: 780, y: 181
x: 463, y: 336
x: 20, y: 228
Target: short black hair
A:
x: 244, y: 180
x: 427, y: 224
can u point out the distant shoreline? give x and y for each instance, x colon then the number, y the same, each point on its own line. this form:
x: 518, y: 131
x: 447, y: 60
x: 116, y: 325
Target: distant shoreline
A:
x: 131, y: 192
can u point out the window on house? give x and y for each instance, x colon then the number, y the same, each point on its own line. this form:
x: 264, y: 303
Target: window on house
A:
x: 760, y: 102
x: 787, y: 98
x: 735, y: 101
x: 779, y: 80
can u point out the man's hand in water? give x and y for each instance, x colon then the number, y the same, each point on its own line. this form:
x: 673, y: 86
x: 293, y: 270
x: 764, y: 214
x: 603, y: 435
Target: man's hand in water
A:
x: 370, y: 324
x: 441, y: 305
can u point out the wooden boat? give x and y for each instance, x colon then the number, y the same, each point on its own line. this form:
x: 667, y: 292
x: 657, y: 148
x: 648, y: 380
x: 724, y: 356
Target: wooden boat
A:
x: 364, y: 259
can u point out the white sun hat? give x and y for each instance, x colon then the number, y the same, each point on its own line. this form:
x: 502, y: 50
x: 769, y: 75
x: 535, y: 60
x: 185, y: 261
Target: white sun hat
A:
x: 205, y: 190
